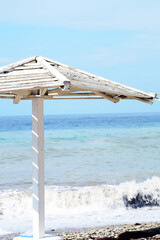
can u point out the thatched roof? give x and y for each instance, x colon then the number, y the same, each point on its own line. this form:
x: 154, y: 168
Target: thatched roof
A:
x: 48, y: 79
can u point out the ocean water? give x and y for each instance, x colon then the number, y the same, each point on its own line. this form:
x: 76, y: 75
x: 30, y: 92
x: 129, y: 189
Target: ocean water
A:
x: 99, y: 170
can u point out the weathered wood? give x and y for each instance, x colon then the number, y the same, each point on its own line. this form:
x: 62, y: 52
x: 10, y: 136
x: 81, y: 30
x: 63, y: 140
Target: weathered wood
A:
x: 29, y: 67
x: 22, y: 92
x: 104, y: 88
x: 62, y: 93
x: 59, y: 98
x: 54, y: 72
x: 76, y: 74
x: 38, y: 73
x: 23, y: 83
x: 25, y: 72
x: 17, y: 99
x: 83, y: 97
x: 6, y: 97
x: 31, y: 64
x: 43, y: 91
x: 7, y: 93
x: 13, y: 65
x: 145, y: 100
x: 27, y: 79
x: 112, y: 99
x: 31, y: 86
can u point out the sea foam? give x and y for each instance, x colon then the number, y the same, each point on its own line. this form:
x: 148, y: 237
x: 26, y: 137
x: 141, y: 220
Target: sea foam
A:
x: 68, y: 206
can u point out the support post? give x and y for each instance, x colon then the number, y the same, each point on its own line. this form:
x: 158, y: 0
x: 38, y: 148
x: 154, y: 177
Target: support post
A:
x: 38, y: 168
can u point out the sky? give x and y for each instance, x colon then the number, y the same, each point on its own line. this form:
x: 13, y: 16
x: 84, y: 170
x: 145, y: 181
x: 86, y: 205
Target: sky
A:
x: 118, y: 40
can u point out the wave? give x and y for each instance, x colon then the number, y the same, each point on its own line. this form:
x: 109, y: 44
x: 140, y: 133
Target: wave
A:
x: 67, y: 207
x: 93, y: 198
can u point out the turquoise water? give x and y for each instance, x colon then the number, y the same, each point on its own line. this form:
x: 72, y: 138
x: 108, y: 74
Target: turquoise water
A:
x: 84, y: 155
x: 82, y: 150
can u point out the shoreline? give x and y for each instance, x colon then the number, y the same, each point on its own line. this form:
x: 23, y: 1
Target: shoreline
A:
x: 96, y: 232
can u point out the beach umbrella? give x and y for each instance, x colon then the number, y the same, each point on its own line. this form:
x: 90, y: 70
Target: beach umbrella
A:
x: 39, y: 78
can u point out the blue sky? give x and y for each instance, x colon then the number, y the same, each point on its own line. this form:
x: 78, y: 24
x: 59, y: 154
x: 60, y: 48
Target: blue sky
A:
x: 119, y: 40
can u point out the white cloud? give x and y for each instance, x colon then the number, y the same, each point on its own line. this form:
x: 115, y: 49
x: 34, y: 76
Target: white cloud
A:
x: 97, y: 14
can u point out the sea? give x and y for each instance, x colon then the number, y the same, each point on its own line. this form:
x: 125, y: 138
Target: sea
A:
x: 100, y: 169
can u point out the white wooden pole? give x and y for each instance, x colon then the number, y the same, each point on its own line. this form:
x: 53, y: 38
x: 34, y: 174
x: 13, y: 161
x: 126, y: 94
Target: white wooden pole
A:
x: 38, y: 168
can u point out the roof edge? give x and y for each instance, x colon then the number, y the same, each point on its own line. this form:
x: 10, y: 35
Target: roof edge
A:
x: 16, y: 64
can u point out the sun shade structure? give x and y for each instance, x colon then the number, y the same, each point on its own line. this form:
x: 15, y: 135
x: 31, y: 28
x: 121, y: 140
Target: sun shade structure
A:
x: 40, y: 78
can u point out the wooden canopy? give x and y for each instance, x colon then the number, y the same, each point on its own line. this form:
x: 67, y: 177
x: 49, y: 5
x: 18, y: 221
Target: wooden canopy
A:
x: 40, y: 77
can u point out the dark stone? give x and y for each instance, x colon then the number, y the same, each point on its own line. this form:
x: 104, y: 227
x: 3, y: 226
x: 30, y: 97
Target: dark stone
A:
x: 138, y: 234
x: 140, y: 201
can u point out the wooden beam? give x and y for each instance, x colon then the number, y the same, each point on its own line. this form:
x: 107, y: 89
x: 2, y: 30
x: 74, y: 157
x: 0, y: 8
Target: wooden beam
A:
x: 112, y: 99
x: 17, y: 99
x: 43, y: 91
x: 59, y: 92
x: 46, y: 97
x: 22, y: 92
x: 145, y: 100
x: 54, y: 72
x: 6, y: 97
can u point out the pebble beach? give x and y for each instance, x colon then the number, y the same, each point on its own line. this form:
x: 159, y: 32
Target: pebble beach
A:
x: 98, y: 232
x: 108, y: 231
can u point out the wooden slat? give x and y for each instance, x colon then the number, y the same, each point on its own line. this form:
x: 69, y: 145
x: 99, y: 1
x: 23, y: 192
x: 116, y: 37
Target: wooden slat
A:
x: 95, y: 87
x: 13, y: 65
x: 21, y: 68
x: 107, y: 89
x: 25, y: 81
x: 31, y: 64
x: 54, y: 72
x: 25, y: 72
x: 31, y: 86
x: 76, y: 74
x: 28, y: 67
